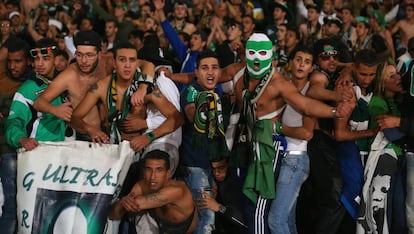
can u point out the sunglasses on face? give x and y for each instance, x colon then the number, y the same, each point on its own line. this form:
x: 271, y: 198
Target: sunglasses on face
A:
x: 5, y: 25
x: 41, y: 51
x: 326, y: 55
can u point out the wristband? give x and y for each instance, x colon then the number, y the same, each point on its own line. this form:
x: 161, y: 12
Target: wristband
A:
x: 151, y: 136
x: 277, y: 127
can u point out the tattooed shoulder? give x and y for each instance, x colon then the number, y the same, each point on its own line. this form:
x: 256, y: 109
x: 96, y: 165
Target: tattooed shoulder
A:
x: 157, y: 93
x: 93, y: 87
x: 155, y: 197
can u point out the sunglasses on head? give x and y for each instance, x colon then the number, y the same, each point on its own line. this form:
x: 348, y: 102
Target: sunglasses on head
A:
x: 42, y: 51
x: 326, y: 55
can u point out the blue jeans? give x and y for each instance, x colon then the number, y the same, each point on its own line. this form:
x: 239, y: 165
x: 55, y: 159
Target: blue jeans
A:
x: 409, y: 202
x: 293, y: 172
x: 199, y: 179
x: 8, y: 174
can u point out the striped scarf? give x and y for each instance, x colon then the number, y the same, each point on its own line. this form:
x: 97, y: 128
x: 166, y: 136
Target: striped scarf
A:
x: 115, y: 116
x: 208, y: 122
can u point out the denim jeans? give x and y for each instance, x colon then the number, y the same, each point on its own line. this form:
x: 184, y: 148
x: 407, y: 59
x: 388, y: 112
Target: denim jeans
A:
x: 293, y: 172
x: 8, y: 173
x: 409, y: 203
x: 199, y: 179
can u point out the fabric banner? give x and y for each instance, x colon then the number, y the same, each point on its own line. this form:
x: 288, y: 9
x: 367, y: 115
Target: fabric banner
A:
x: 66, y: 187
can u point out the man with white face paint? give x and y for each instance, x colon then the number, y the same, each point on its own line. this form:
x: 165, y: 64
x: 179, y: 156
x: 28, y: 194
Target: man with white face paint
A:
x: 261, y: 96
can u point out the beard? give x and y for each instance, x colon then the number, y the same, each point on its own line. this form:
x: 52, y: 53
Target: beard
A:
x: 92, y: 69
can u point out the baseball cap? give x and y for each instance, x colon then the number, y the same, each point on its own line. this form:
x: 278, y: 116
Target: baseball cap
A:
x: 88, y: 38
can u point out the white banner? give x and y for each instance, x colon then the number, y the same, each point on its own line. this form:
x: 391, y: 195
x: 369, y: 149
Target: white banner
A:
x: 66, y: 187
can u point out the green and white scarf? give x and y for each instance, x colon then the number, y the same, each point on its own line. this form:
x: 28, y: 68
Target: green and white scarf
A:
x: 115, y: 116
x: 208, y: 122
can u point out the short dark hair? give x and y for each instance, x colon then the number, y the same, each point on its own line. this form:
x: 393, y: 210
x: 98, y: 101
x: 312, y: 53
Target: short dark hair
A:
x: 202, y: 34
x: 249, y: 16
x: 367, y: 57
x: 293, y: 29
x: 319, y: 46
x: 63, y: 54
x: 18, y: 44
x: 123, y: 45
x: 185, y: 36
x: 136, y: 33
x: 114, y: 21
x: 206, y: 54
x: 302, y: 48
x: 159, y: 155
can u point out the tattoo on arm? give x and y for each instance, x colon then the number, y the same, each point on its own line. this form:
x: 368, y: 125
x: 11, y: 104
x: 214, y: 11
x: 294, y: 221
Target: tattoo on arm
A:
x: 157, y: 93
x: 154, y: 197
x: 93, y: 87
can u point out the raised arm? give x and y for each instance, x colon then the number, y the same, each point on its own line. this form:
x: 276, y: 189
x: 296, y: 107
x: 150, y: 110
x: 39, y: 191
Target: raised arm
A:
x: 31, y: 27
x: 230, y: 71
x: 309, y: 106
x: 147, y: 68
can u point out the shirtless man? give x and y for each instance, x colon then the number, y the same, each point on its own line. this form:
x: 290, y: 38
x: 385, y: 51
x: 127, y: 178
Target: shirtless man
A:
x: 267, y: 111
x: 169, y: 201
x: 114, y: 91
x: 78, y: 78
x: 405, y: 26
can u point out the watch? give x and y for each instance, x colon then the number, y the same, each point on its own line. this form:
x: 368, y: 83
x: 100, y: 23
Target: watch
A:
x: 222, y: 209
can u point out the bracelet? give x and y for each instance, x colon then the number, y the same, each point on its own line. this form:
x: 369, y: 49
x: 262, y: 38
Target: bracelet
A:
x: 277, y: 127
x: 151, y: 136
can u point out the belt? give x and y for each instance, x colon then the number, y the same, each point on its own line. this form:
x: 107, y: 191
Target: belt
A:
x: 296, y: 152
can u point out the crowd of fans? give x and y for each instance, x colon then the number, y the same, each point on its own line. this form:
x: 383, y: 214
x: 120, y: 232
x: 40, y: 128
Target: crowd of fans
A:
x: 352, y: 173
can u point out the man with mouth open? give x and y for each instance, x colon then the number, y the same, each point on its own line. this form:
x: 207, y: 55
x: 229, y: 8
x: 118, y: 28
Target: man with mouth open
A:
x: 195, y: 157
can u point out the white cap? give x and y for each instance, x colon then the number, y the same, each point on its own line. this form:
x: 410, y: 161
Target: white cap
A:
x: 13, y: 13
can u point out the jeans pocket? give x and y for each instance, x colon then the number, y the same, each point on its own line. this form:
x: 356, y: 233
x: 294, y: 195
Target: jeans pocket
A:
x: 288, y: 170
